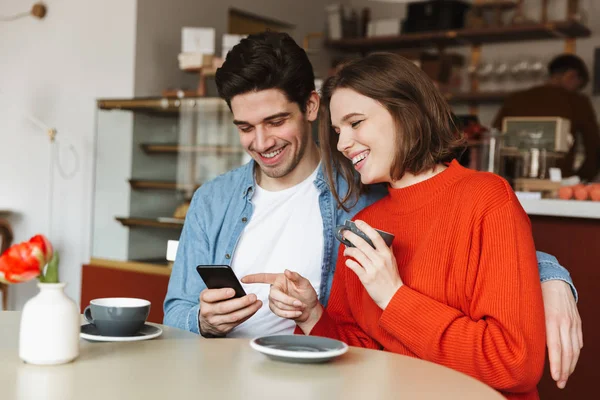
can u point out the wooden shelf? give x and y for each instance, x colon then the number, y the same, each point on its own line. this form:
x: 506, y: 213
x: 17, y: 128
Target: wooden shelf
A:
x: 495, y: 5
x: 155, y: 267
x: 168, y: 148
x: 161, y: 104
x: 206, y: 71
x: 463, y: 37
x: 132, y: 222
x: 142, y: 184
x: 476, y: 97
x: 161, y: 262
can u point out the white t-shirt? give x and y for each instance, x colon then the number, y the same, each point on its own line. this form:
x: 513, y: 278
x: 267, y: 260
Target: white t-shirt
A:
x: 284, y: 232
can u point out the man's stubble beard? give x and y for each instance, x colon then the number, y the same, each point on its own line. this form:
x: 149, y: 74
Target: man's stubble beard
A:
x: 284, y: 170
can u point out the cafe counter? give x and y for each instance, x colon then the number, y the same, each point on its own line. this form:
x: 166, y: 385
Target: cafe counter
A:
x: 570, y: 231
x: 562, y: 208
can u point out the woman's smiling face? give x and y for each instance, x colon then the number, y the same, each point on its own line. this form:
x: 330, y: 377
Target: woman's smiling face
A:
x: 366, y: 134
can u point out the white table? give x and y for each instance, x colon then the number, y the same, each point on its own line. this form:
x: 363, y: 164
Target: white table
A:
x: 182, y: 365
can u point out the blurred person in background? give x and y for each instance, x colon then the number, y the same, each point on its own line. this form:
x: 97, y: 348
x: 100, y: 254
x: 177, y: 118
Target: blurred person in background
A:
x: 560, y: 97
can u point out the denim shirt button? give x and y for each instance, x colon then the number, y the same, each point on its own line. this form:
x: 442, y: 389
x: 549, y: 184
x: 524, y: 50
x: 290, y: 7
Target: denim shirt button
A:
x: 227, y: 256
x: 244, y: 219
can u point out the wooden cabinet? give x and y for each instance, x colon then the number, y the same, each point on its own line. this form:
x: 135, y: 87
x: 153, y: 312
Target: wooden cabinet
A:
x: 575, y: 242
x: 6, y: 238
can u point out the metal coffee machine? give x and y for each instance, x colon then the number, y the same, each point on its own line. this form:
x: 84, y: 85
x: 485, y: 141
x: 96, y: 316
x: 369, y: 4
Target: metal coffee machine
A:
x: 530, y: 147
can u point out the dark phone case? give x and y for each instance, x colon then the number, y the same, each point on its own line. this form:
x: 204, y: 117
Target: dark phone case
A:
x: 220, y: 276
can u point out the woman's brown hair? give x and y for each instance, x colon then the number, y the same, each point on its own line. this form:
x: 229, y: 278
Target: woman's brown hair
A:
x: 425, y: 136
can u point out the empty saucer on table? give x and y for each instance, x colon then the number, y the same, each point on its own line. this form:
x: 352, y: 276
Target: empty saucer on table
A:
x: 90, y: 332
x: 299, y: 348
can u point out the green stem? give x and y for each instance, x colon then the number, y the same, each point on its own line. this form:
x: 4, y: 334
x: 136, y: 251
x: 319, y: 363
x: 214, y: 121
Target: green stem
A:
x: 51, y: 274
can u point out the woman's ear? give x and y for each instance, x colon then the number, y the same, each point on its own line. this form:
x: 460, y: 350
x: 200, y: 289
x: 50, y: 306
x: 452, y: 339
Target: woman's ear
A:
x: 312, y: 106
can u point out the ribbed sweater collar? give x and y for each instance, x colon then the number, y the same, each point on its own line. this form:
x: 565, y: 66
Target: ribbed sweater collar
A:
x: 415, y: 196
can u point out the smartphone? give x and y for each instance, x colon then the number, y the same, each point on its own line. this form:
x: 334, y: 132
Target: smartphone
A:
x: 219, y: 277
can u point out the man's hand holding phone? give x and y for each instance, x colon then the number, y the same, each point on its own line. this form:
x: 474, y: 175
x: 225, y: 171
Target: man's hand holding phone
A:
x: 220, y: 312
x: 224, y: 304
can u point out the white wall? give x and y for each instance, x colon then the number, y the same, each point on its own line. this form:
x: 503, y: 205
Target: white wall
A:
x: 111, y: 191
x: 57, y: 68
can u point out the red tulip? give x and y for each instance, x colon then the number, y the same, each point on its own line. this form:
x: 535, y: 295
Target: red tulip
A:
x: 24, y: 261
x: 43, y: 248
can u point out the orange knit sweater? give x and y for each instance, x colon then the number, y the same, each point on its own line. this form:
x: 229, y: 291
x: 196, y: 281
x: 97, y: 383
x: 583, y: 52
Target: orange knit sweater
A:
x: 471, y: 298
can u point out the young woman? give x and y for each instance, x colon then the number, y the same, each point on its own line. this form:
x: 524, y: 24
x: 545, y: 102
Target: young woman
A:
x: 459, y: 286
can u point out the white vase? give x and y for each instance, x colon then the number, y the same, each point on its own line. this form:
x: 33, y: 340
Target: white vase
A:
x: 50, y: 323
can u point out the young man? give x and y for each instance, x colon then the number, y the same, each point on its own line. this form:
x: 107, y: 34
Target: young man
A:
x: 560, y: 97
x: 277, y: 212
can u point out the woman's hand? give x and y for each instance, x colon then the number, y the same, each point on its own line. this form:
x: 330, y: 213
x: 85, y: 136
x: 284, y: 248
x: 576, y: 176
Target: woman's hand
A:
x: 375, y: 267
x: 292, y: 297
x: 563, y: 330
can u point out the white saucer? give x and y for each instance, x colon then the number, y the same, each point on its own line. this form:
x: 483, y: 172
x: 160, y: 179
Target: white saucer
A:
x: 90, y: 332
x: 299, y: 348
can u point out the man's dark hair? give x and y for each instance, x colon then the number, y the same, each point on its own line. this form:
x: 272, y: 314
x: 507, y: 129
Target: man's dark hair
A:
x: 267, y: 60
x: 566, y: 62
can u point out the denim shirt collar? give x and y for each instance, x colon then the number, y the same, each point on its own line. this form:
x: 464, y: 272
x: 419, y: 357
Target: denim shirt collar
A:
x: 249, y: 181
x: 320, y: 181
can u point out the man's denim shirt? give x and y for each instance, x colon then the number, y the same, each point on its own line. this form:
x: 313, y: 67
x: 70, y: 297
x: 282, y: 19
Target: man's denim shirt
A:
x: 216, y: 218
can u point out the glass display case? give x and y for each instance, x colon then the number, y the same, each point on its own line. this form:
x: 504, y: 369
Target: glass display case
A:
x: 152, y: 154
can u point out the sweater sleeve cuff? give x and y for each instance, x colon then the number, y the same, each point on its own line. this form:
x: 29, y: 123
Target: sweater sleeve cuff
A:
x: 324, y: 327
x: 410, y: 311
